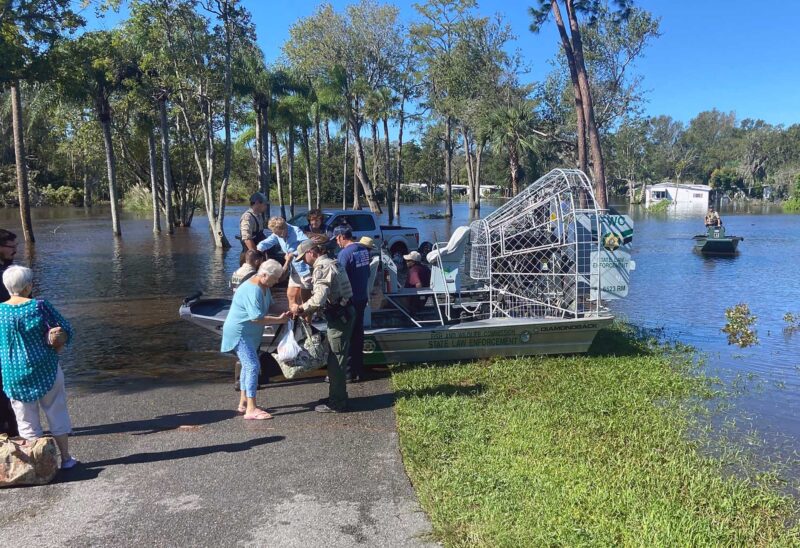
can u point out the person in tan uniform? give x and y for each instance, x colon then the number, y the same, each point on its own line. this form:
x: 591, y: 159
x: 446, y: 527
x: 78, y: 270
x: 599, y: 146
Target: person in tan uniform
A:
x: 712, y: 217
x: 332, y: 295
x: 252, y: 223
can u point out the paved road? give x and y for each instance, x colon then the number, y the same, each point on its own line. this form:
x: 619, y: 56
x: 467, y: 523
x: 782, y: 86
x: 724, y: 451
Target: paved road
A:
x: 175, y: 466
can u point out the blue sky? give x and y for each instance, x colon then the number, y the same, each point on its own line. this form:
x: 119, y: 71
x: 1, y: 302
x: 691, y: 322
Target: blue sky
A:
x: 733, y: 55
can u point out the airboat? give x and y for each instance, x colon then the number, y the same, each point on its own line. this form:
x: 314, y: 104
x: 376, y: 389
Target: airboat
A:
x: 533, y: 277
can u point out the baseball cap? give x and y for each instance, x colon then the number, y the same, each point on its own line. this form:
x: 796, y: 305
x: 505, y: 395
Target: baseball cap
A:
x: 304, y: 247
x: 258, y: 198
x: 413, y: 256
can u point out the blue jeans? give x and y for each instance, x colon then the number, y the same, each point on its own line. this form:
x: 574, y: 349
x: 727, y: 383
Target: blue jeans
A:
x: 248, y: 377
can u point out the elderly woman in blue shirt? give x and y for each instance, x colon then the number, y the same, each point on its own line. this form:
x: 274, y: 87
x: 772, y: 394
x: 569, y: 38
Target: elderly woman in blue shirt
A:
x: 31, y: 333
x: 288, y: 237
x: 244, y: 327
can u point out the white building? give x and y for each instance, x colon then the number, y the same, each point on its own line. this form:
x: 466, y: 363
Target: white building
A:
x: 680, y: 194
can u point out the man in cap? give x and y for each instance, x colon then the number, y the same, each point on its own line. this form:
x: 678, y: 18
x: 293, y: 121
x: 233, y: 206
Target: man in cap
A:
x: 252, y: 223
x: 712, y: 217
x: 354, y: 259
x: 419, y: 276
x: 331, y: 293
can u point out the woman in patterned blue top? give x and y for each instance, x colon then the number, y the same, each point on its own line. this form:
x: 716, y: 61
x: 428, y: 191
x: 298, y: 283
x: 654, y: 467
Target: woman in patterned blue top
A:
x: 31, y: 333
x: 244, y: 327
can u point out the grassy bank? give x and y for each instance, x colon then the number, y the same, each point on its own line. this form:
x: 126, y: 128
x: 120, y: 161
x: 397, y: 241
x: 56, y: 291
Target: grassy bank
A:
x: 586, y: 450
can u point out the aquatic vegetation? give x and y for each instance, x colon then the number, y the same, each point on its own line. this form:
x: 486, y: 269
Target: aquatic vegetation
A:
x: 660, y: 207
x: 610, y: 448
x: 739, y: 326
x: 792, y: 322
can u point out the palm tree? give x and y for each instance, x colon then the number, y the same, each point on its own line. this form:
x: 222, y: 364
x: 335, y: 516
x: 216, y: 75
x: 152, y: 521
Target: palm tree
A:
x: 513, y: 128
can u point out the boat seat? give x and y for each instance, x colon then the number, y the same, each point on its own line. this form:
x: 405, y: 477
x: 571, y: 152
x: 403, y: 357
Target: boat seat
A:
x: 446, y: 260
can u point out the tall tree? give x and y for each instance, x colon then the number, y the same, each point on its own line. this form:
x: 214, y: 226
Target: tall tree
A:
x: 29, y: 29
x: 572, y: 44
x: 348, y: 51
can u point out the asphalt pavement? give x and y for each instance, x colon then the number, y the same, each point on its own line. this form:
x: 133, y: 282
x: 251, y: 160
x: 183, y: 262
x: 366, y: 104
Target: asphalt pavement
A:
x: 176, y: 466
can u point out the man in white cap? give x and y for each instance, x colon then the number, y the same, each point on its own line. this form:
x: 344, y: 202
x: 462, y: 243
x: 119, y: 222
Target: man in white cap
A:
x: 419, y: 275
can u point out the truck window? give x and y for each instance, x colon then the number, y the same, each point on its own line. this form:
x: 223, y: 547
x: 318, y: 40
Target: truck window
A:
x: 359, y: 223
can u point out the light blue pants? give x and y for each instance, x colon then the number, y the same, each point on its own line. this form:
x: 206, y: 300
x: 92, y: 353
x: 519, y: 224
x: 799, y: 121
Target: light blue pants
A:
x: 248, y: 377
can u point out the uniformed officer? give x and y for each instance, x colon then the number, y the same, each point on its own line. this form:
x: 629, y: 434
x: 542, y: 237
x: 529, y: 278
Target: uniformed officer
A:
x: 331, y: 293
x: 252, y: 223
x: 712, y: 217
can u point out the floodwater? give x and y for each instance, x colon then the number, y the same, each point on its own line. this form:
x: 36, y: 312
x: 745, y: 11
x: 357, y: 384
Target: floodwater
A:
x: 122, y: 297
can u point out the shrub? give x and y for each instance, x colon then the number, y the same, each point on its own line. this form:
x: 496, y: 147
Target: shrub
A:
x: 660, y: 207
x: 61, y: 196
x: 138, y: 199
x: 740, y: 326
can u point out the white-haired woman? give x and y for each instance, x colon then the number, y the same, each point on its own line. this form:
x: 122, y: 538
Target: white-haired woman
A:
x: 244, y: 328
x: 31, y: 333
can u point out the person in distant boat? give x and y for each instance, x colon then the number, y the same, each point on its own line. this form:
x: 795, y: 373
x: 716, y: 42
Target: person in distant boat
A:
x: 252, y: 223
x: 315, y: 223
x: 288, y: 237
x: 252, y: 260
x: 243, y: 329
x: 712, y: 217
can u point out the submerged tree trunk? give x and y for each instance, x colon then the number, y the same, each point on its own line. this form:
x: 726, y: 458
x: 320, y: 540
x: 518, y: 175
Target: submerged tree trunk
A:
x: 478, y: 157
x: 151, y: 150
x: 166, y: 166
x: 22, y: 168
x: 104, y: 113
x: 318, y: 165
x: 387, y: 168
x: 361, y: 170
x: 513, y: 160
x: 598, y: 167
x: 374, y: 128
x: 344, y: 170
x: 399, y: 178
x: 356, y: 196
x: 583, y: 162
x: 448, y: 167
x: 290, y: 159
x: 307, y: 156
x: 277, y: 150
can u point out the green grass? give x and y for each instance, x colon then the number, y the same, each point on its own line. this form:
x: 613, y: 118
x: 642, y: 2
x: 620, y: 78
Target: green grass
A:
x: 580, y: 451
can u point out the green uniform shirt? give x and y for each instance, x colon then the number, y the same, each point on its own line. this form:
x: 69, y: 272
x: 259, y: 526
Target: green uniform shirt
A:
x: 330, y: 285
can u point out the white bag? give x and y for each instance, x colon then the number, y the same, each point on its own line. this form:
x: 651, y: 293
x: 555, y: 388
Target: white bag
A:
x: 288, y: 349
x: 313, y: 354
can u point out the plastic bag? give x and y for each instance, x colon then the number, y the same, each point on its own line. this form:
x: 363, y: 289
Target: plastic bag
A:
x: 313, y: 354
x: 288, y: 349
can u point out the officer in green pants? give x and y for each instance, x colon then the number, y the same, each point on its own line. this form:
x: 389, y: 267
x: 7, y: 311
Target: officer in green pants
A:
x: 331, y: 293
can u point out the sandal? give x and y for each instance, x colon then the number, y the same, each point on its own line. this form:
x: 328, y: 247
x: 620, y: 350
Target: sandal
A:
x: 257, y: 415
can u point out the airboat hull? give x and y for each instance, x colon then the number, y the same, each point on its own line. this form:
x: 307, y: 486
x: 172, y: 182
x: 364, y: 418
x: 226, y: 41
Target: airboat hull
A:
x: 481, y: 339
x: 494, y: 337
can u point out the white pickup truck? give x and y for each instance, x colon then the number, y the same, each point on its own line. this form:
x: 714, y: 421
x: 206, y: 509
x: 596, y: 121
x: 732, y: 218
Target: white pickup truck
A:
x: 396, y: 239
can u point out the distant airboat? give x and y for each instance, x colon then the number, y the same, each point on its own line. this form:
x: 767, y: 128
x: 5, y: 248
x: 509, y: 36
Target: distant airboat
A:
x: 530, y: 278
